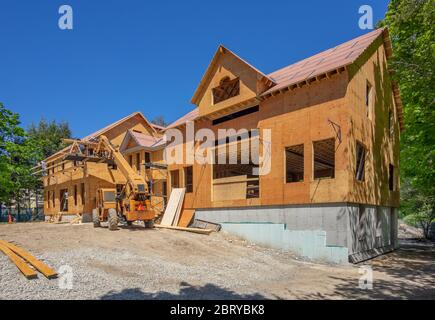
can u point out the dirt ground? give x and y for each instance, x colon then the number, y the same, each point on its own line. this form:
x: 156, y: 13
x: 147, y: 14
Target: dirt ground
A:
x: 138, y: 263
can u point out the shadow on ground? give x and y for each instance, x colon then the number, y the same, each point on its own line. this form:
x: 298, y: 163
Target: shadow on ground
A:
x: 187, y: 292
x: 408, y: 273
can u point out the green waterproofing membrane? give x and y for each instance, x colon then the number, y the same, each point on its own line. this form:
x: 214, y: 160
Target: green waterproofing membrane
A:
x: 310, y: 244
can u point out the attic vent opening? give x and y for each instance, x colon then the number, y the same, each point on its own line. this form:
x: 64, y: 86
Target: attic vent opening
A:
x: 227, y: 89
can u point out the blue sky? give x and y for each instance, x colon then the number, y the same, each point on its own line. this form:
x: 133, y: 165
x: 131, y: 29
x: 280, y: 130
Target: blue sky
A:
x: 149, y: 56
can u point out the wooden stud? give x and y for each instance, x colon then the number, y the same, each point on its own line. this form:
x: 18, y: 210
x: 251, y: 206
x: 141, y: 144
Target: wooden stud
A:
x: 40, y: 266
x: 28, y: 272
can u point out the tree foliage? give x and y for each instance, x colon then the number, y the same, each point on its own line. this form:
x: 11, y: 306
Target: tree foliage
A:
x: 410, y: 24
x: 48, y: 136
x: 20, y: 151
x: 17, y: 156
x: 160, y: 121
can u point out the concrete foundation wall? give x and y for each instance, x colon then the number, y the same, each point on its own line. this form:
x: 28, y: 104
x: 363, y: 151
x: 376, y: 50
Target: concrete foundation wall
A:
x: 372, y: 231
x: 326, y: 232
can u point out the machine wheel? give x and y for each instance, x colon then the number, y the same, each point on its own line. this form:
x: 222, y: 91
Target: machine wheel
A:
x: 96, y: 218
x: 149, y: 224
x: 129, y: 223
x: 113, y: 220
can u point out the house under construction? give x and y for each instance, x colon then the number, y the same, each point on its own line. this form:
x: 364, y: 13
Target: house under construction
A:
x: 332, y: 191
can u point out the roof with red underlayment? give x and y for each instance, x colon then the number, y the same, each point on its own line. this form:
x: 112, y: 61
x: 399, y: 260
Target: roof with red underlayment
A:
x: 102, y: 131
x: 144, y: 140
x: 321, y: 63
x: 329, y: 60
x: 191, y: 116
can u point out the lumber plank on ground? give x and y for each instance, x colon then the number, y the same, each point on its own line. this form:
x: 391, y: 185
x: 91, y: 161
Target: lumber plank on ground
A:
x: 76, y: 220
x: 194, y: 230
x: 39, y: 265
x: 25, y: 269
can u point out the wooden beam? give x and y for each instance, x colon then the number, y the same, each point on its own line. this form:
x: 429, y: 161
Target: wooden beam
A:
x: 40, y: 266
x: 28, y: 272
x: 51, y: 167
x: 194, y: 230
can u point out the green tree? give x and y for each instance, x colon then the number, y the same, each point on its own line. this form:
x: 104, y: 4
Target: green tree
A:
x: 48, y: 136
x: 17, y: 156
x: 410, y: 24
x: 160, y: 121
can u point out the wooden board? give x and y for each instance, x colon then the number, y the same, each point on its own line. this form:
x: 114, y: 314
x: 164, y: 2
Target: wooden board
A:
x: 194, y: 230
x: 172, y: 207
x: 40, y: 266
x: 179, y: 208
x: 186, y: 217
x: 28, y: 272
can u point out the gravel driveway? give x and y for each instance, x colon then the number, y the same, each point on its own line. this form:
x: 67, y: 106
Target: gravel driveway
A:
x: 139, y: 263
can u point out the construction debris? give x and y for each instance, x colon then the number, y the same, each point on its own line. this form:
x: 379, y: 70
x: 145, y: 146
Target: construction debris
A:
x: 20, y: 256
x: 201, y: 224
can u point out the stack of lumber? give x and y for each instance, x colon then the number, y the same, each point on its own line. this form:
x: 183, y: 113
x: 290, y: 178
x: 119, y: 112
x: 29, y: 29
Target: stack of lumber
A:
x: 173, y: 209
x: 26, y: 262
x: 175, y: 217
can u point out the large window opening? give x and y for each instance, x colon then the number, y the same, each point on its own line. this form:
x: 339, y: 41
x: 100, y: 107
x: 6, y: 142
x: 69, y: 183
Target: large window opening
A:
x: 75, y: 195
x: 294, y: 163
x: 175, y: 179
x: 226, y: 89
x: 360, y: 162
x: 369, y: 99
x: 82, y: 193
x: 188, y: 177
x: 235, y: 170
x: 324, y: 159
x: 391, y: 181
x: 138, y: 161
x: 63, y: 195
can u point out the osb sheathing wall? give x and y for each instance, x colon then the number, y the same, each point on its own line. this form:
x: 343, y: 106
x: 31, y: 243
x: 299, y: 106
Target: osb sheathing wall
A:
x: 301, y: 116
x: 232, y: 67
x: 373, y: 131
x: 298, y: 117
x: 92, y: 175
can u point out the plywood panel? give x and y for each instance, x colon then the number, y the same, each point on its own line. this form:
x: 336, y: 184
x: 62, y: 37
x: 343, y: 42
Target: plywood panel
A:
x: 231, y: 188
x: 175, y: 199
x: 186, y: 217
